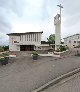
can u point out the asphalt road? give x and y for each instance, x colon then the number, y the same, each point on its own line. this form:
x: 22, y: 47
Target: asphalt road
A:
x: 66, y: 85
x: 24, y: 75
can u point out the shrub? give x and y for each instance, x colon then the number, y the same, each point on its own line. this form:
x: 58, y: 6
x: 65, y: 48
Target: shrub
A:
x: 1, y: 49
x: 62, y: 48
x: 58, y: 50
x: 6, y: 48
x: 4, y: 55
x: 2, y: 58
x: 34, y: 53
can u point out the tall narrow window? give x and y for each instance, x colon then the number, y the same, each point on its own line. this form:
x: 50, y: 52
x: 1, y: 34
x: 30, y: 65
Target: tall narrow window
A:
x: 29, y: 37
x: 20, y: 37
x: 25, y: 37
x: 35, y: 37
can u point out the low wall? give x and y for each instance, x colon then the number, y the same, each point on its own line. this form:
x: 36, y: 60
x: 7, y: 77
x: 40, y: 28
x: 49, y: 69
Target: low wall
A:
x: 27, y: 53
x: 42, y: 51
x: 21, y: 53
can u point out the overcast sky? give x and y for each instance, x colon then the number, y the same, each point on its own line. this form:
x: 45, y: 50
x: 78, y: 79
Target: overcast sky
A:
x: 38, y: 15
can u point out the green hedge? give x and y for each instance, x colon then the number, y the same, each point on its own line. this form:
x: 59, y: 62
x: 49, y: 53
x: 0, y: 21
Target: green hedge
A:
x: 62, y: 48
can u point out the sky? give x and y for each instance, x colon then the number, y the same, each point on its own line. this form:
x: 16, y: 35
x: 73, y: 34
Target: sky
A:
x: 38, y: 15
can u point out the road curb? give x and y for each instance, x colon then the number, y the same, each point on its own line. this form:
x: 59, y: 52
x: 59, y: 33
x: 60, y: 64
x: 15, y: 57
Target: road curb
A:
x: 57, y: 80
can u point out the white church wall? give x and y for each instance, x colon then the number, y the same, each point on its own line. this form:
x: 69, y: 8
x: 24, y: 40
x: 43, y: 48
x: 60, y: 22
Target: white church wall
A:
x: 27, y: 39
x: 12, y: 45
x: 30, y: 39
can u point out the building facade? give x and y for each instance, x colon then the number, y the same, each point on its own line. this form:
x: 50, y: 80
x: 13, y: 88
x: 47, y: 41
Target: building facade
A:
x: 72, y: 41
x: 28, y: 41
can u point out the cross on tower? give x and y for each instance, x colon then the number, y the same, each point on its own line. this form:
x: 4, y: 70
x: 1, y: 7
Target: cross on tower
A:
x: 60, y: 6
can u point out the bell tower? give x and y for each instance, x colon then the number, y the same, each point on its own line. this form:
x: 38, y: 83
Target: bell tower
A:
x: 57, y: 24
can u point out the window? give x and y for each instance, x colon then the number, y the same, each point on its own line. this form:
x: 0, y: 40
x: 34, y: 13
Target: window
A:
x: 29, y: 37
x: 69, y: 41
x: 20, y: 37
x: 25, y: 37
x: 35, y: 37
x: 78, y: 41
x: 74, y: 41
x: 16, y: 42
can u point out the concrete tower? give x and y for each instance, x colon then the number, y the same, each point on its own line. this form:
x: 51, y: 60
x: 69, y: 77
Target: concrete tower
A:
x: 57, y: 24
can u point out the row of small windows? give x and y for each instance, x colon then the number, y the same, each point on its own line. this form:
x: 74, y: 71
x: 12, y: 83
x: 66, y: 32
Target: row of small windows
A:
x: 74, y: 41
x: 30, y: 37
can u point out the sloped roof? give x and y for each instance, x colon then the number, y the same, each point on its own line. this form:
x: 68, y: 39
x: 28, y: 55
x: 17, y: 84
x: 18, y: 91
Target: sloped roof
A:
x: 17, y: 34
x: 71, y: 36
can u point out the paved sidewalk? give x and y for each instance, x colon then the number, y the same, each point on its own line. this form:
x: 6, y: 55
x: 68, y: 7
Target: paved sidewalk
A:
x: 24, y: 75
x: 71, y: 84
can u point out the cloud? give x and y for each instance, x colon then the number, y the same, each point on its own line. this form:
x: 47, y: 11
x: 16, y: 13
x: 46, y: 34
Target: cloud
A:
x: 47, y: 27
x: 16, y: 6
x: 38, y: 15
x: 70, y: 17
x: 48, y: 9
x: 10, y: 10
x: 71, y: 7
x: 72, y: 20
x: 39, y: 10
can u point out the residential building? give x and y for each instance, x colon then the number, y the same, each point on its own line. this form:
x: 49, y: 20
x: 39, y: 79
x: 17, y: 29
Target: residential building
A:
x: 72, y: 41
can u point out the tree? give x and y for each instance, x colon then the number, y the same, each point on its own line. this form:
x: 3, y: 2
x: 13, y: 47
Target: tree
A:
x: 1, y: 49
x: 5, y: 48
x: 51, y: 39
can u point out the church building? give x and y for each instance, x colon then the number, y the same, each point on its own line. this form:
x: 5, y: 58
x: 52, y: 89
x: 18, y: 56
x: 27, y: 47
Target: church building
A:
x: 28, y: 41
